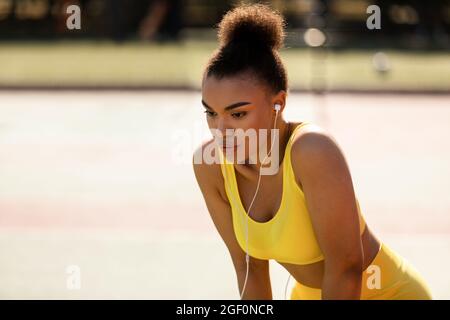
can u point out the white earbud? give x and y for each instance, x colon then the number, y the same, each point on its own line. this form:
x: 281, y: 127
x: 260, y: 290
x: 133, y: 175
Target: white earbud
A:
x: 277, y: 107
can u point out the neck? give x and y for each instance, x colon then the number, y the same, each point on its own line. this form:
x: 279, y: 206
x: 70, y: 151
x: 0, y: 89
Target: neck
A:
x: 283, y: 137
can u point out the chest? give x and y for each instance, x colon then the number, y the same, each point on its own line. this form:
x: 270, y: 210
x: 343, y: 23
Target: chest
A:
x: 268, y: 199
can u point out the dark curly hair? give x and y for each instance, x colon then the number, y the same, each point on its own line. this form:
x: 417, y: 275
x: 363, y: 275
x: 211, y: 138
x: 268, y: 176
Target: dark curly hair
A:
x: 250, y: 37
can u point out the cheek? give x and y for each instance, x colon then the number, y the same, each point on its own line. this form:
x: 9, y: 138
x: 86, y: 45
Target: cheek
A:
x: 254, y: 129
x: 260, y: 121
x: 250, y: 121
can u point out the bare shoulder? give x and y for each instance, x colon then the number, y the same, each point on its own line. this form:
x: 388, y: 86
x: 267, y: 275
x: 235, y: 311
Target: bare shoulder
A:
x: 312, y: 138
x: 313, y: 148
x: 208, y: 175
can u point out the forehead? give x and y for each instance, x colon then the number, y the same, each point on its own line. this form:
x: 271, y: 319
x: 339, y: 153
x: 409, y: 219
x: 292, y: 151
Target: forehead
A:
x: 222, y: 92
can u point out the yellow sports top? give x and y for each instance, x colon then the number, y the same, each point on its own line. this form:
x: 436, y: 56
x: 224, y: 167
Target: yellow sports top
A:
x: 289, y: 236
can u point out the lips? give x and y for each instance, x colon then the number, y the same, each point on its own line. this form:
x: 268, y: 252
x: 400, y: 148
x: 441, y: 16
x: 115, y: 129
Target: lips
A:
x: 229, y: 148
x: 226, y: 146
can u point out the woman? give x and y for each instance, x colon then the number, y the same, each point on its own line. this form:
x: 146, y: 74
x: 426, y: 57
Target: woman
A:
x: 306, y: 215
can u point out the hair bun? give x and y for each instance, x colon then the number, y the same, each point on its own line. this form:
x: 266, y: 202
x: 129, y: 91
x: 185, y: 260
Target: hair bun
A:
x: 257, y: 24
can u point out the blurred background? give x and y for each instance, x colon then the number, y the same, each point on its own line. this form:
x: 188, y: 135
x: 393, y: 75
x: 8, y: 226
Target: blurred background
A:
x: 98, y: 125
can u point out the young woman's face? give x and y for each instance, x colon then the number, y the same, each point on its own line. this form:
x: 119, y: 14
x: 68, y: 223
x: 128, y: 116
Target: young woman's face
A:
x: 237, y: 103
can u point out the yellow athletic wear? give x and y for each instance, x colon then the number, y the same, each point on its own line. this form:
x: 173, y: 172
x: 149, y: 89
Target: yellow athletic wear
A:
x: 388, y: 277
x: 278, y: 238
x: 289, y: 236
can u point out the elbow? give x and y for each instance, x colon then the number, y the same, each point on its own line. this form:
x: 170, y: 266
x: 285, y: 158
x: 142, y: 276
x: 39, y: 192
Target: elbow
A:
x: 343, y: 277
x: 343, y: 282
x: 355, y: 264
x: 350, y: 265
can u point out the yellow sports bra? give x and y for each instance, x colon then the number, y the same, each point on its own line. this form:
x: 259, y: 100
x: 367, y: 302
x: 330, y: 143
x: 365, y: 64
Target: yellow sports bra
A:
x: 289, y: 236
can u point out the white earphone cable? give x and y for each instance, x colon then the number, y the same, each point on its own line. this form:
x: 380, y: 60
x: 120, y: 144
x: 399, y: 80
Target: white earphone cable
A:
x: 247, y: 257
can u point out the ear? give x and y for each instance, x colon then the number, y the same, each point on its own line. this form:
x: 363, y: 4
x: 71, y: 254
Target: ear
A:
x: 280, y: 98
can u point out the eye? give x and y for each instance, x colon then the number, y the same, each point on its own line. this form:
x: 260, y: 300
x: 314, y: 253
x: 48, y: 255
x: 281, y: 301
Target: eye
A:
x: 239, y: 114
x: 210, y: 113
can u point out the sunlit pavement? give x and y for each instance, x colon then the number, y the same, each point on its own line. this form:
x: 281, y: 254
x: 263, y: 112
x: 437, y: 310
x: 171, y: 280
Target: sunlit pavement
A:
x: 104, y: 181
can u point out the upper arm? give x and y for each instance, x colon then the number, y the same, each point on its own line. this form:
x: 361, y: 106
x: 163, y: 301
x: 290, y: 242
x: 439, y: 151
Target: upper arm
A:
x: 208, y: 178
x: 330, y: 198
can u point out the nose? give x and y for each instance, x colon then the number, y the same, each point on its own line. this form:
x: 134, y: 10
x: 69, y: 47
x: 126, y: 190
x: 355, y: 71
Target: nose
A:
x: 222, y: 128
x: 223, y: 132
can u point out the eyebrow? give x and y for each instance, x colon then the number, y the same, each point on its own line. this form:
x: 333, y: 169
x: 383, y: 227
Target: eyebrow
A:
x: 230, y: 107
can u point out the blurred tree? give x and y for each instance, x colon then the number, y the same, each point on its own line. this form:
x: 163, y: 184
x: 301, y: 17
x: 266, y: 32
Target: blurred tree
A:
x: 162, y: 22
